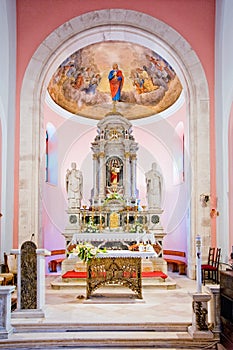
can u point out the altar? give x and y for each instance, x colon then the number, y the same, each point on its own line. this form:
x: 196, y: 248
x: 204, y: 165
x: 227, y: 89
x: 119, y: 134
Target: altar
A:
x: 115, y: 219
x: 116, y: 267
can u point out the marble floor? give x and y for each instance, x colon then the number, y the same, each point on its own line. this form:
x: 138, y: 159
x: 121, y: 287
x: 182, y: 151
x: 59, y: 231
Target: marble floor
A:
x: 158, y: 305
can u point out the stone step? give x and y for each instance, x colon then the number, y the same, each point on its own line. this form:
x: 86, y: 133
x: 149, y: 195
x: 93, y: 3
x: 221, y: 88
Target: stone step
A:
x: 148, y: 283
x: 29, y: 335
x: 25, y: 325
x: 104, y: 339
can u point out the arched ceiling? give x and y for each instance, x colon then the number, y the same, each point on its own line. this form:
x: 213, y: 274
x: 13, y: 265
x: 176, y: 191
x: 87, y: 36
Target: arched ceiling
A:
x: 80, y: 84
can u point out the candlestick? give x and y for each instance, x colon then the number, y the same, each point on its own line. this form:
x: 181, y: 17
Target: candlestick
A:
x: 84, y: 217
x: 127, y: 218
x: 144, y: 217
x: 100, y: 220
x: 198, y: 261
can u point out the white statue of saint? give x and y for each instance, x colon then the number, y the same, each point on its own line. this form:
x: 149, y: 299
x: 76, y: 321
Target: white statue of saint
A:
x: 154, y: 187
x: 74, y: 186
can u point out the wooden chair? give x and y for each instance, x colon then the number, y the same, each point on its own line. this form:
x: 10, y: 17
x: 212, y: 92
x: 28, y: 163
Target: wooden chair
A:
x: 5, y: 273
x: 212, y: 269
x: 210, y: 262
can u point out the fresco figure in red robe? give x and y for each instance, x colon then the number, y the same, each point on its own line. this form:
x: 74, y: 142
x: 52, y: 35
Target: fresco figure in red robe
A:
x: 116, y: 81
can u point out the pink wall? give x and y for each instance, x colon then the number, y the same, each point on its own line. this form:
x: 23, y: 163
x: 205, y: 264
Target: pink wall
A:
x: 0, y: 173
x: 230, y: 176
x: 194, y: 20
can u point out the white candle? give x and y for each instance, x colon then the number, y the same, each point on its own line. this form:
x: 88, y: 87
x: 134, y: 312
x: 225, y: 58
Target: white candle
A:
x: 198, y: 261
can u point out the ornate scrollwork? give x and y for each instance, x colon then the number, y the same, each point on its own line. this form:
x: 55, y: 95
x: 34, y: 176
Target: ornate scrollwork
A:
x: 155, y: 219
x: 73, y: 219
x: 124, y: 271
x: 201, y: 315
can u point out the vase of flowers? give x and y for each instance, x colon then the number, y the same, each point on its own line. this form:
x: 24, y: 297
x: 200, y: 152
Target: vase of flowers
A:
x: 87, y: 251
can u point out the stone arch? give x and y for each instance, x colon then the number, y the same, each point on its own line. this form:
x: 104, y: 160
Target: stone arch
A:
x: 86, y: 29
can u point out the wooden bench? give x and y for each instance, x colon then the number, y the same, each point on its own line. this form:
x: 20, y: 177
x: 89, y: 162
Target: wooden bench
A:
x: 55, y: 263
x: 175, y: 264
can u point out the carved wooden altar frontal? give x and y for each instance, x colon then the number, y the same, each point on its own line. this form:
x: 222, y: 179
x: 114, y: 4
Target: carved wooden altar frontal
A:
x: 125, y: 271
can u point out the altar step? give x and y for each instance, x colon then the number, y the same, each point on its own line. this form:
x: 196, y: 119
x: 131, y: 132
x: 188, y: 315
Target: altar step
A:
x: 80, y: 283
x: 102, y: 336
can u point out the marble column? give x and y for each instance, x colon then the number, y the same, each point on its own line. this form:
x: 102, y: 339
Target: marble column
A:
x: 5, y: 311
x: 134, y: 188
x: 95, y: 172
x: 215, y: 309
x: 127, y: 182
x: 102, y: 172
x: 200, y: 327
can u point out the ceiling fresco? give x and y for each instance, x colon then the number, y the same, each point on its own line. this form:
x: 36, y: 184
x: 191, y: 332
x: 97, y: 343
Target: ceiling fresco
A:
x: 146, y: 83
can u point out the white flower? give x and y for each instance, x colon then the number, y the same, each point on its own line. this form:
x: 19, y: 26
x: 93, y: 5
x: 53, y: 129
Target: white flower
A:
x: 93, y: 251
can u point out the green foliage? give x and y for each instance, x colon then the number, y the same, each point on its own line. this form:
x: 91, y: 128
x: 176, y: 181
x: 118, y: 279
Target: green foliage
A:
x: 113, y: 196
x: 87, y: 251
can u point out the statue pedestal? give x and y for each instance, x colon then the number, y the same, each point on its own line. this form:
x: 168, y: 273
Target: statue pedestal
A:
x: 5, y: 311
x: 199, y: 328
x: 215, y: 308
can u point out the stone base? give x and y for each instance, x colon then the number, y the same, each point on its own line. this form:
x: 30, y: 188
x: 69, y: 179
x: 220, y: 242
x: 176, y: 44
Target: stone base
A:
x: 4, y: 334
x: 31, y: 313
x: 195, y: 334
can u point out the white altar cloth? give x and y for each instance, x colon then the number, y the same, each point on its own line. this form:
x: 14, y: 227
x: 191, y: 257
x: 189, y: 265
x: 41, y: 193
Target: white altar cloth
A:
x: 126, y: 254
x: 121, y: 254
x: 112, y: 237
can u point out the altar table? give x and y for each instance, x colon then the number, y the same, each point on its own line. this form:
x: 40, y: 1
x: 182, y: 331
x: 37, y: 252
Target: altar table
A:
x: 116, y: 267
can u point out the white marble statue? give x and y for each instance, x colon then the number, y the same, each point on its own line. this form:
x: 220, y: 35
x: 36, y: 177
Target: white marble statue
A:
x: 154, y: 187
x: 74, y: 186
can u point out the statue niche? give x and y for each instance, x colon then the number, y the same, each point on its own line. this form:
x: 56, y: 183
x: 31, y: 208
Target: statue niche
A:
x: 114, y: 174
x: 114, y: 162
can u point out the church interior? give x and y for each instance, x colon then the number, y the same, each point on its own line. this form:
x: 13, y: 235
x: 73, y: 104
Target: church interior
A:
x: 115, y: 185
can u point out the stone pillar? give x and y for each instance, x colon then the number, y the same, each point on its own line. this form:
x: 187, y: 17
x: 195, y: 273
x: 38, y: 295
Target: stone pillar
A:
x: 127, y: 182
x: 41, y: 254
x: 215, y: 309
x: 74, y: 224
x: 30, y: 281
x: 102, y: 172
x: 200, y: 328
x: 5, y: 311
x: 95, y: 176
x: 134, y: 188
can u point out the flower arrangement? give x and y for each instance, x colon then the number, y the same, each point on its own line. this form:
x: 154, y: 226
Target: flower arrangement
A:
x: 137, y: 227
x: 113, y: 196
x: 91, y: 226
x: 87, y: 251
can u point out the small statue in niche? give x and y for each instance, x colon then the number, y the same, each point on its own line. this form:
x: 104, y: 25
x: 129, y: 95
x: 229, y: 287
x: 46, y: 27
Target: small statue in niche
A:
x: 115, y: 171
x: 154, y: 187
x: 74, y: 186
